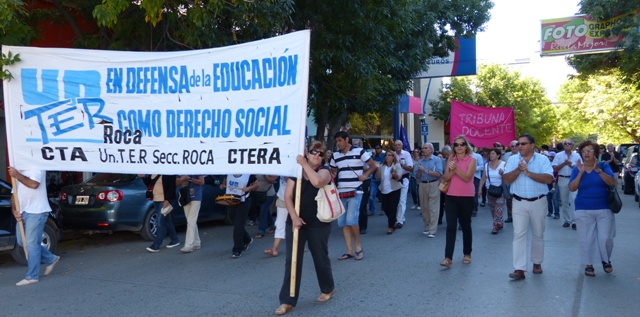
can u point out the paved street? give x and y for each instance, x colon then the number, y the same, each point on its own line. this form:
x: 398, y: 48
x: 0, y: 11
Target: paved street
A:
x: 113, y: 275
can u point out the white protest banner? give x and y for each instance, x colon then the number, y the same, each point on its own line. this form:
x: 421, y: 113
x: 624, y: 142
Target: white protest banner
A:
x: 236, y: 109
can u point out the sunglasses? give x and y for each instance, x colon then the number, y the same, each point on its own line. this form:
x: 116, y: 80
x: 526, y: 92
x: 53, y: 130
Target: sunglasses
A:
x: 314, y: 152
x: 587, y: 151
x: 523, y: 143
x: 459, y: 144
x: 389, y: 155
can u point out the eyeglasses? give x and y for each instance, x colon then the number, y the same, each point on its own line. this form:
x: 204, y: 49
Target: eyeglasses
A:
x: 389, y: 155
x: 314, y: 152
x: 587, y: 151
x: 523, y: 143
x: 459, y: 144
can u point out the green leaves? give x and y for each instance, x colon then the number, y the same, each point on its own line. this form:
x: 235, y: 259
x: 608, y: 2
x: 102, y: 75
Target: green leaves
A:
x: 6, y: 60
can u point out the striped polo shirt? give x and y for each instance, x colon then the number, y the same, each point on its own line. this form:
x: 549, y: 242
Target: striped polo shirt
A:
x: 349, y: 167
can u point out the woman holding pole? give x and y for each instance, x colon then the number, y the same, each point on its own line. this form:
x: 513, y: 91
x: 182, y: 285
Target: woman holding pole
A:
x: 311, y: 231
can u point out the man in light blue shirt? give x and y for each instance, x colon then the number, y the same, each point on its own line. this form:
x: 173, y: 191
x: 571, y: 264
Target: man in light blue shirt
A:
x: 528, y: 173
x: 428, y: 171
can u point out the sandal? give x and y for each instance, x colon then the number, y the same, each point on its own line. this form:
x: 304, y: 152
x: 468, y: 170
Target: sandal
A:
x: 271, y: 252
x: 607, y: 267
x: 446, y: 262
x: 360, y: 254
x: 466, y: 259
x: 283, y: 309
x: 495, y: 230
x: 325, y: 297
x: 258, y: 236
x: 346, y: 256
x: 589, y: 271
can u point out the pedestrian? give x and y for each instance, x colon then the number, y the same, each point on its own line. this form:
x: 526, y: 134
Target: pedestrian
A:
x: 461, y: 167
x: 413, y: 181
x: 389, y: 175
x: 281, y: 218
x: 378, y: 157
x: 446, y: 151
x: 476, y: 178
x: 34, y: 211
x: 164, y: 192
x: 596, y: 222
x: 492, y: 176
x: 347, y: 165
x: 513, y: 147
x: 406, y: 162
x: 311, y: 231
x: 428, y: 171
x: 563, y: 163
x: 528, y: 173
x: 240, y: 186
x: 194, y: 185
x: 265, y: 221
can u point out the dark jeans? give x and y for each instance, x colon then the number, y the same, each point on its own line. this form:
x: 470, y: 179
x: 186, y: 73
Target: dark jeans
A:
x: 413, y: 189
x: 266, y: 221
x: 484, y: 194
x: 164, y: 224
x: 257, y: 199
x: 458, y: 209
x: 363, y: 217
x: 318, y: 241
x: 238, y: 214
x: 443, y: 197
x: 390, y: 203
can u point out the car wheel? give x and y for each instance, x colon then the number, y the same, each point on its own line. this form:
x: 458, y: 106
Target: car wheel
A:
x: 49, y: 241
x: 150, y: 225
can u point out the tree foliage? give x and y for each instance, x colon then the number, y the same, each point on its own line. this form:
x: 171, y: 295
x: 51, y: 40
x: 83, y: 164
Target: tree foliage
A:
x: 627, y: 60
x: 602, y: 104
x: 363, y: 53
x: 496, y: 86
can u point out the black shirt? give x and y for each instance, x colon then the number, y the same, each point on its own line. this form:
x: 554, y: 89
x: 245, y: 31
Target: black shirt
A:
x: 614, y: 167
x: 308, y: 204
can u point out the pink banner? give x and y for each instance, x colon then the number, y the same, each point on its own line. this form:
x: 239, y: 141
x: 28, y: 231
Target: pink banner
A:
x: 483, y: 126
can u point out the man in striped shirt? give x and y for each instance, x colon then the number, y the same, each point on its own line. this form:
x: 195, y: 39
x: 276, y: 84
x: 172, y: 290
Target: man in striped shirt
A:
x: 347, y: 166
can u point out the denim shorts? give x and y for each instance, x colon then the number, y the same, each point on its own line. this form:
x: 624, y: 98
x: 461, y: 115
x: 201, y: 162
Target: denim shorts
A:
x: 352, y: 205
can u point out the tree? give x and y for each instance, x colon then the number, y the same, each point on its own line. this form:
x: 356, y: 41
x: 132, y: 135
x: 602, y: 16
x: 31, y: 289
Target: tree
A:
x: 626, y: 60
x: 363, y: 53
x: 496, y: 86
x: 605, y: 105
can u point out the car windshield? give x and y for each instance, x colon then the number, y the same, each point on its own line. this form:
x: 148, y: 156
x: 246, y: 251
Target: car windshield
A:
x: 111, y: 178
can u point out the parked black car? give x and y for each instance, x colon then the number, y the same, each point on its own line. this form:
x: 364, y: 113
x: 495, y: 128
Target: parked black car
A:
x: 8, y: 241
x: 117, y: 202
x: 630, y: 167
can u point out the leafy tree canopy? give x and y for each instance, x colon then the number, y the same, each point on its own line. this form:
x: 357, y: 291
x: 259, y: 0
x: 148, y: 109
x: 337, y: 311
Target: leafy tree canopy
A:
x: 601, y: 104
x: 497, y: 86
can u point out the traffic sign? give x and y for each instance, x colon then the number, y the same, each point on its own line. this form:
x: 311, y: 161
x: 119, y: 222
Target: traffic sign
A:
x: 425, y: 129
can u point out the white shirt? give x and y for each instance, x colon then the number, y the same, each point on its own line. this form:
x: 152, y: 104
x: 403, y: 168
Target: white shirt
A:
x: 493, y: 175
x: 561, y: 157
x: 349, y: 167
x: 408, y: 161
x: 479, y: 165
x: 33, y: 201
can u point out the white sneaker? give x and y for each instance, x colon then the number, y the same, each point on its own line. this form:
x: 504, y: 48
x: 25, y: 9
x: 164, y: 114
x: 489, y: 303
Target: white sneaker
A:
x: 187, y: 249
x: 431, y: 235
x: 166, y: 210
x: 26, y: 282
x: 50, y: 267
x: 419, y: 208
x: 426, y: 232
x: 414, y: 207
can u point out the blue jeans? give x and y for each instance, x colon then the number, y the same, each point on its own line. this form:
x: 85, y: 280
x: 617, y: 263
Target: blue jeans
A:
x: 372, y: 195
x: 556, y: 202
x: 265, y: 215
x: 352, y: 205
x: 33, y: 228
x: 164, y: 223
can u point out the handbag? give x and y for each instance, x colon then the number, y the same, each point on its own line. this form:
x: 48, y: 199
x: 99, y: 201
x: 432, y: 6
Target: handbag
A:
x: 330, y: 205
x: 184, y: 196
x: 443, y: 187
x: 615, y: 203
x: 493, y: 191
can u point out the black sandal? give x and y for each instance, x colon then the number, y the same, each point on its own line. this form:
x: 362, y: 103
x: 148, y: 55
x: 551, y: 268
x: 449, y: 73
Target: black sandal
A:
x: 589, y: 271
x: 607, y: 267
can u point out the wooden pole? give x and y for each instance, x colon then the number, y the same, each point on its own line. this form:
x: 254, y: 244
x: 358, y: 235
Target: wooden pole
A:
x: 14, y: 185
x: 294, y: 248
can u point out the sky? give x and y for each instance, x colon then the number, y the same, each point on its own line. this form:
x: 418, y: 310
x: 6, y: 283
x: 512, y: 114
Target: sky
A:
x: 513, y: 36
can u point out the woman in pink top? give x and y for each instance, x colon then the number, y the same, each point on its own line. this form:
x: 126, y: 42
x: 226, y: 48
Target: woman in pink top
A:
x: 459, y: 201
